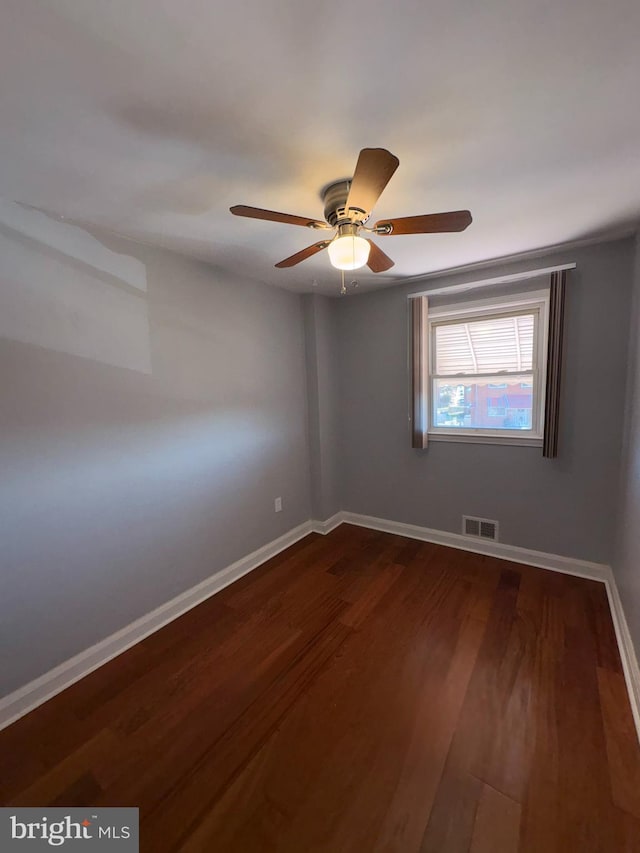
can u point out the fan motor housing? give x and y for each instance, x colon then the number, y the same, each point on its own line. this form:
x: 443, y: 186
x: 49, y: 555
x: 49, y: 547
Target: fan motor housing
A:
x: 335, y: 200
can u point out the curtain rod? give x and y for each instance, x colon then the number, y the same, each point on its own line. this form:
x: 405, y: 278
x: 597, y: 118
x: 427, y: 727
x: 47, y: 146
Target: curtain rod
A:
x: 499, y: 279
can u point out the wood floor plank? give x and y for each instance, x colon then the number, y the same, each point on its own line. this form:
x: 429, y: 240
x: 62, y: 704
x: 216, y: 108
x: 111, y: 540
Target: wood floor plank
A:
x: 497, y: 825
x: 541, y: 807
x: 273, y: 577
x: 477, y: 741
x: 358, y: 568
x: 355, y: 615
x: 429, y: 741
x: 62, y: 778
x: 584, y: 783
x: 623, y: 750
x: 358, y: 692
x: 451, y: 825
x: 320, y: 790
x: 169, y: 746
x: 193, y: 794
x: 497, y: 711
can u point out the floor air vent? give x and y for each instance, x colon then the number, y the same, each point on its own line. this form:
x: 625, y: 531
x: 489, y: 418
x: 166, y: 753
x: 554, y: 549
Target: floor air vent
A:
x: 480, y: 528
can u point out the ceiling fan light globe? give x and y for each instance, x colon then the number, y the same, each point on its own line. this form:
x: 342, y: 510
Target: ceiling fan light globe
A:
x: 349, y: 252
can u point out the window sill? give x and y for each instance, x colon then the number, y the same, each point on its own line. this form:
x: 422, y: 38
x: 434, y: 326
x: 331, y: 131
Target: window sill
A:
x: 515, y: 440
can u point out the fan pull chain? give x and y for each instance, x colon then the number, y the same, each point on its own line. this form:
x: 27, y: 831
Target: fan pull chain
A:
x: 343, y: 289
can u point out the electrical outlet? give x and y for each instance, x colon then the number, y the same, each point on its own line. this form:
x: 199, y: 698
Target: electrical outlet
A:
x: 278, y: 504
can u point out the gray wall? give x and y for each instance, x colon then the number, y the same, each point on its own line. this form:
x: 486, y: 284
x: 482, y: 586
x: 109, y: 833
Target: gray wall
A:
x: 627, y: 563
x: 562, y: 506
x: 324, y: 417
x: 151, y: 410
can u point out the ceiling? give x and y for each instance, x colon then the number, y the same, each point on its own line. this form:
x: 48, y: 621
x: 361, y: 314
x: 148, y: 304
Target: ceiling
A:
x: 150, y: 118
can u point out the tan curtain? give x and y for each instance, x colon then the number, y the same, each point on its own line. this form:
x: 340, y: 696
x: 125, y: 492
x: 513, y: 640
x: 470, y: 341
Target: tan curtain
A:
x: 554, y: 364
x: 419, y: 372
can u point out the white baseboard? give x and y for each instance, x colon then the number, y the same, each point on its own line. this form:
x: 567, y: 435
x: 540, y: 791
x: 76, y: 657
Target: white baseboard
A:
x: 625, y: 645
x: 26, y: 698
x: 568, y: 565
x: 327, y: 526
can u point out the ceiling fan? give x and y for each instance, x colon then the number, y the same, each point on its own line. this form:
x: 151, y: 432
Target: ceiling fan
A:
x: 347, y: 207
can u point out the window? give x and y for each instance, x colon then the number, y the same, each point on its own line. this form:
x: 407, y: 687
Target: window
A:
x: 487, y: 363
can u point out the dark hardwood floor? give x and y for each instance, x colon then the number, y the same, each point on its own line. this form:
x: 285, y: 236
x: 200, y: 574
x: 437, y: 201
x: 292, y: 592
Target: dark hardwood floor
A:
x: 359, y: 692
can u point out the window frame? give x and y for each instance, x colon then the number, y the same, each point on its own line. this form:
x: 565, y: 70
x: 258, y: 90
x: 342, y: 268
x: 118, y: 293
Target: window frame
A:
x: 536, y: 302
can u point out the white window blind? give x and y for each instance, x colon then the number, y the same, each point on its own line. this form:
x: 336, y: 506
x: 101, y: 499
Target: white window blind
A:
x: 485, y: 346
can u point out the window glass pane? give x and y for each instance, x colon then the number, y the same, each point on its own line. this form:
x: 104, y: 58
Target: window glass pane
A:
x: 494, y: 403
x: 485, y: 346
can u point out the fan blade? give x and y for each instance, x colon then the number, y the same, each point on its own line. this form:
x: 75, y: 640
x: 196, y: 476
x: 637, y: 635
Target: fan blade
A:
x: 378, y: 261
x: 304, y: 254
x: 273, y: 216
x: 373, y: 172
x: 430, y: 223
